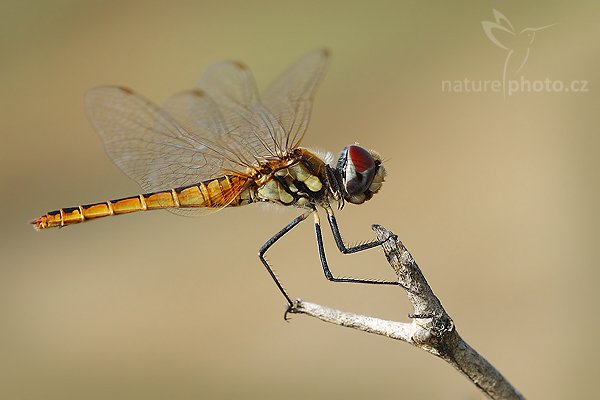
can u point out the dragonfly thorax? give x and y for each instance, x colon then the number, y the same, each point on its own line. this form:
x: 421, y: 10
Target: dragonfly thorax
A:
x: 300, y: 180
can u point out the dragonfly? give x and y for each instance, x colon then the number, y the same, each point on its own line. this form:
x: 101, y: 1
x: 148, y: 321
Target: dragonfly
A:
x: 220, y: 145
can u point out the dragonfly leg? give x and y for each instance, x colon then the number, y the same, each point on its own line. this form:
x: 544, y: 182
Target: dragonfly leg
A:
x: 345, y: 250
x: 270, y: 242
x: 340, y: 242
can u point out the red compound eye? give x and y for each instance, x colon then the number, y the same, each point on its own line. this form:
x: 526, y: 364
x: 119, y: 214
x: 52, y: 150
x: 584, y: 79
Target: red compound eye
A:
x: 361, y: 158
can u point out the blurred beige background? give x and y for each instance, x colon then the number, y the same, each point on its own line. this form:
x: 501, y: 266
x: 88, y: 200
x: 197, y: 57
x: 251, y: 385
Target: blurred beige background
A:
x: 497, y: 199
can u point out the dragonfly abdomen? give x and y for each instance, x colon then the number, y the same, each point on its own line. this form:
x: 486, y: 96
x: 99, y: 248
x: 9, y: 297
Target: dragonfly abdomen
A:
x: 225, y: 191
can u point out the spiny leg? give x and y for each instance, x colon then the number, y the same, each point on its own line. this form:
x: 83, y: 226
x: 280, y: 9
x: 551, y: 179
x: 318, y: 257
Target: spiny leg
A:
x: 272, y: 241
x: 354, y: 249
x: 340, y: 242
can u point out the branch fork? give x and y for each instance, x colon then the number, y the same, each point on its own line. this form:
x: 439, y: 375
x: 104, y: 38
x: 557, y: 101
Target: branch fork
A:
x: 431, y: 328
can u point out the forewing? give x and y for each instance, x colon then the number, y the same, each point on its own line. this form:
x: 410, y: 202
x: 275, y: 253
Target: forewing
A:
x: 201, y: 117
x: 226, y: 106
x: 149, y: 145
x: 290, y: 97
x: 231, y: 86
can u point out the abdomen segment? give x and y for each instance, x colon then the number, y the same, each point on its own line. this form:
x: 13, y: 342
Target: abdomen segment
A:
x: 226, y: 191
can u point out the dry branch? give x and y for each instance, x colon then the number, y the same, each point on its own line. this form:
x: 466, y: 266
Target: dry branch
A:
x: 432, y: 328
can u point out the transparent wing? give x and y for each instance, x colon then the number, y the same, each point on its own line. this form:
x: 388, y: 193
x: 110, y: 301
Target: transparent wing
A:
x: 289, y: 98
x: 200, y: 116
x: 150, y: 146
x: 233, y: 90
x: 227, y: 105
x: 222, y: 126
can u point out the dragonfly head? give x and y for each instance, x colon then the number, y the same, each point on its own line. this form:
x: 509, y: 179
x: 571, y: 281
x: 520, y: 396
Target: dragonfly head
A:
x: 360, y: 172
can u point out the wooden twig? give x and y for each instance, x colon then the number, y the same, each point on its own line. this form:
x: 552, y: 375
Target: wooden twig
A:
x: 431, y: 328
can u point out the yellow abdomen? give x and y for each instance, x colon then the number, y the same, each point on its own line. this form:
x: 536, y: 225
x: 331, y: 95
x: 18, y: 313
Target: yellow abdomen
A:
x: 225, y: 191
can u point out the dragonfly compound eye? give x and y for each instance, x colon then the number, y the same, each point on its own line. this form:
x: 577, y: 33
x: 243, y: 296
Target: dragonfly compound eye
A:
x: 361, y: 172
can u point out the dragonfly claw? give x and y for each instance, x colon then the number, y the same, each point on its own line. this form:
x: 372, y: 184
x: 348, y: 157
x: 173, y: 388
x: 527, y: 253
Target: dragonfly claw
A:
x: 291, y: 309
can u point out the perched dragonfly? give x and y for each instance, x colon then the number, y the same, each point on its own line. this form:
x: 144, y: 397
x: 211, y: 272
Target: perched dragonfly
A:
x: 221, y: 145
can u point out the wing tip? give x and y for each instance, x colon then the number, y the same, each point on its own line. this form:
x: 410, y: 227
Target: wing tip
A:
x: 125, y: 90
x: 104, y: 89
x: 198, y: 92
x: 239, y: 65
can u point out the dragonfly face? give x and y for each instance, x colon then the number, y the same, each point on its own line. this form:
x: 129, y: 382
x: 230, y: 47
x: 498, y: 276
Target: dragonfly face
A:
x: 222, y: 145
x: 361, y: 173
